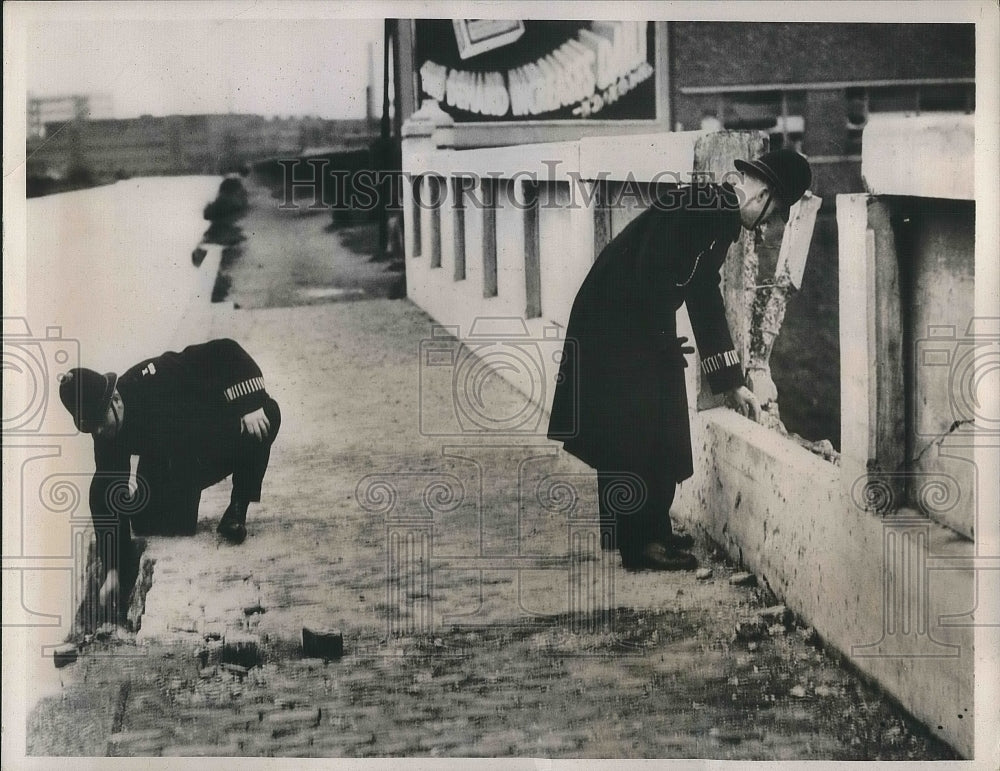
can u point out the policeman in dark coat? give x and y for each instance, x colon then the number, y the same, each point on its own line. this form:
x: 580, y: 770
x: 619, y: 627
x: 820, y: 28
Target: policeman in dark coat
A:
x: 620, y: 404
x: 193, y: 418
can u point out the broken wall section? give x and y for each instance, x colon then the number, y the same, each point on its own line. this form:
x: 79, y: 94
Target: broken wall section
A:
x: 909, y: 336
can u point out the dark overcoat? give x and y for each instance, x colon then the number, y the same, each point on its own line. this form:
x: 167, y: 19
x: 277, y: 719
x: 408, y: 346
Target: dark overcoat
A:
x: 181, y: 410
x: 620, y: 402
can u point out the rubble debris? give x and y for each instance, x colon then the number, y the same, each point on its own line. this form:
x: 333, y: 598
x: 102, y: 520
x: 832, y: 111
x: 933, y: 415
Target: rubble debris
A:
x: 128, y: 737
x: 64, y: 655
x: 210, y: 653
x: 824, y: 448
x: 241, y: 649
x: 290, y: 720
x: 776, y: 614
x: 151, y: 741
x: 234, y: 669
x: 104, y: 631
x: 725, y: 736
x: 703, y: 574
x: 322, y: 643
x: 797, y: 691
x: 743, y: 579
x: 753, y: 628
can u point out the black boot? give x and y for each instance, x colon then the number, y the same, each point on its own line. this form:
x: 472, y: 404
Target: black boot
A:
x: 233, y: 526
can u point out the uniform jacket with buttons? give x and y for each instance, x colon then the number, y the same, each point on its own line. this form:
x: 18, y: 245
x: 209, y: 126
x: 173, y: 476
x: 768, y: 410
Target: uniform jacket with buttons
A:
x: 620, y: 401
x: 178, y: 409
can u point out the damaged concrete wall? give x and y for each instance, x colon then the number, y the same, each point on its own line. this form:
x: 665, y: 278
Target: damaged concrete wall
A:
x: 877, y: 554
x: 938, y: 236
x: 803, y: 528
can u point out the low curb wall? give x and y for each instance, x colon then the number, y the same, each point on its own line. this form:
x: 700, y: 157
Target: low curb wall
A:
x: 871, y: 586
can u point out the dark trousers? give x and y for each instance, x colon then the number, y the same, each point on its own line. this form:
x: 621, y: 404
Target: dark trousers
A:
x: 634, y: 508
x: 175, y: 484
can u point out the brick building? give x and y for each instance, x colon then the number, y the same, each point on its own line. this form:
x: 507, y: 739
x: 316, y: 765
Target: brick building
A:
x: 813, y: 86
x: 183, y: 144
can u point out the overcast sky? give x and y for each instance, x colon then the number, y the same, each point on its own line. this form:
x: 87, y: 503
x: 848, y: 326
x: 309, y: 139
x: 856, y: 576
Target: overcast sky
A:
x: 276, y: 67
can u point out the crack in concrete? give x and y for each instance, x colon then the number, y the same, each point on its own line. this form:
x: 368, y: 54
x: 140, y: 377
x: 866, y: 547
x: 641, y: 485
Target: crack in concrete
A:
x: 938, y: 440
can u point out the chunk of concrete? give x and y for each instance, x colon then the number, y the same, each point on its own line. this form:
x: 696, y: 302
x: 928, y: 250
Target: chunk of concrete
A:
x: 210, y: 653
x: 725, y: 736
x: 308, y: 716
x: 322, y: 643
x: 104, y: 632
x: 64, y: 655
x: 128, y: 737
x: 749, y: 629
x: 242, y: 649
x: 703, y: 574
x: 775, y: 614
x: 743, y: 579
x: 234, y: 669
x: 143, y: 742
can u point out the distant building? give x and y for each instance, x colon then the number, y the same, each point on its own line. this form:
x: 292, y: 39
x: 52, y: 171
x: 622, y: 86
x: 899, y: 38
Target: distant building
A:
x: 43, y: 110
x: 182, y: 144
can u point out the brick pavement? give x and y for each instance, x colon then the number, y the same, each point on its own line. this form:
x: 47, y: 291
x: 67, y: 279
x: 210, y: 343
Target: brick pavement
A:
x: 570, y: 657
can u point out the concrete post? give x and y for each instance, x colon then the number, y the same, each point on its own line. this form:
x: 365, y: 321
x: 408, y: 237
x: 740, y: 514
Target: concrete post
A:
x: 423, y: 132
x: 872, y: 414
x: 713, y: 160
x: 771, y: 300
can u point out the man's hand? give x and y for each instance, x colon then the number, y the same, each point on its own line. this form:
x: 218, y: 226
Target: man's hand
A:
x: 110, y: 588
x: 745, y: 403
x: 256, y: 424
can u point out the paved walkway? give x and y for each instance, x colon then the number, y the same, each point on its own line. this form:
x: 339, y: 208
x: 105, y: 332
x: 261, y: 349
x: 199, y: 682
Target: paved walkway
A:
x: 478, y: 616
x: 656, y: 675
